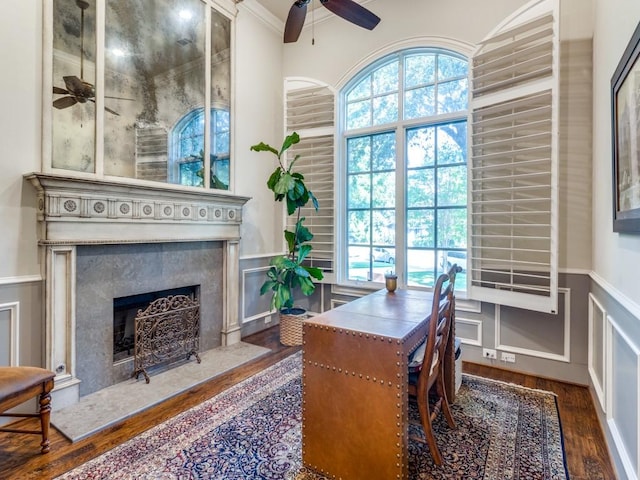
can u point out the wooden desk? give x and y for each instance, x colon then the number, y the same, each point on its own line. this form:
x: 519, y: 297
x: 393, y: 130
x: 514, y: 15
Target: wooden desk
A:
x: 354, y: 400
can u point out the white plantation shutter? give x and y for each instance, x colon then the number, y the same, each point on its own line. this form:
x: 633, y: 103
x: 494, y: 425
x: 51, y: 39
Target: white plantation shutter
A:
x: 310, y: 112
x: 513, y: 187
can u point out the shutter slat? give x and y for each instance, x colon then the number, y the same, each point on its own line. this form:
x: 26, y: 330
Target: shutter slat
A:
x: 312, y: 109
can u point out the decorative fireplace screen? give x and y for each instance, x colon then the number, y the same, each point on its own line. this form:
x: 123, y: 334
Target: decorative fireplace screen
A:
x: 167, y: 330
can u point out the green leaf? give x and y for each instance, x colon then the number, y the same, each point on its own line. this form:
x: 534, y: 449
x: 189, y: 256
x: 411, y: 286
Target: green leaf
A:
x: 307, y: 286
x: 267, y: 286
x: 303, y: 233
x: 301, y: 272
x: 290, y: 237
x: 313, y: 198
x: 273, y: 179
x: 263, y: 147
x: 303, y: 252
x: 285, y: 183
x: 315, y: 272
x: 288, y: 141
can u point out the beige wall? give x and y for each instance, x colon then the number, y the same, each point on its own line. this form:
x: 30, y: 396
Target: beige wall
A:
x: 616, y: 257
x: 20, y: 126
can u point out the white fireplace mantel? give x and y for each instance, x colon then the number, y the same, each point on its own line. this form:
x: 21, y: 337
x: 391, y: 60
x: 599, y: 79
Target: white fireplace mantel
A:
x: 80, y: 211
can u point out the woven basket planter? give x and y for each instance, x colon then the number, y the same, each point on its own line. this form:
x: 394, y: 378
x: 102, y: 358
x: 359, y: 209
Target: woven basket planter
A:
x: 291, y: 326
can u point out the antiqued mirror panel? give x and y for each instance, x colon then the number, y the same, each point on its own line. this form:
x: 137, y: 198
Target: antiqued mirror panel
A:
x: 74, y: 78
x: 160, y: 119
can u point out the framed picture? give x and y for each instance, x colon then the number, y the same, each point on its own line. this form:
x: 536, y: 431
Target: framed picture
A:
x: 625, y: 108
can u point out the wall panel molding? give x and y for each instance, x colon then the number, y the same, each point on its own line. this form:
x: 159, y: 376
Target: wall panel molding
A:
x: 619, y: 427
x: 477, y: 324
x: 20, y: 279
x: 14, y: 337
x: 565, y: 356
x: 250, y: 316
x: 617, y: 295
x: 597, y: 370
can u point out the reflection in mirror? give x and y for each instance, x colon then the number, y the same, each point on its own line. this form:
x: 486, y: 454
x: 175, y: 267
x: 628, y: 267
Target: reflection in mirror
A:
x: 155, y: 91
x: 74, y: 75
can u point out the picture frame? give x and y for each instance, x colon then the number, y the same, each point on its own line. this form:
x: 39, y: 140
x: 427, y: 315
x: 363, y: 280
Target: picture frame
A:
x: 625, y: 123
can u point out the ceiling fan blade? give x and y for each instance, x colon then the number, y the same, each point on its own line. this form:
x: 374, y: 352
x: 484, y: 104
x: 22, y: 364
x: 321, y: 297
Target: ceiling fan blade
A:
x: 352, y: 12
x: 111, y: 111
x: 65, y: 102
x: 106, y: 108
x: 295, y: 21
x: 61, y: 90
x: 120, y: 98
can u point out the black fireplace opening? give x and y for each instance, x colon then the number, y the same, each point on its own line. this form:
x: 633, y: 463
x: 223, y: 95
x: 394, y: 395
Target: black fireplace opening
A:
x: 125, y: 310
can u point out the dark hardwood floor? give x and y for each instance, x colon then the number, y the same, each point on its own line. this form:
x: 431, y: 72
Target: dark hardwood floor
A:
x: 587, y: 455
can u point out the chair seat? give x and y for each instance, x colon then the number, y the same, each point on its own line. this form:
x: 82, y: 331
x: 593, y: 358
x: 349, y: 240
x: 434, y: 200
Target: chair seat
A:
x: 15, y: 380
x: 20, y: 384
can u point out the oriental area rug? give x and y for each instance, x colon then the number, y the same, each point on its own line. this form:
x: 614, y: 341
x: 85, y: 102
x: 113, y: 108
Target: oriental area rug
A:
x: 253, y: 431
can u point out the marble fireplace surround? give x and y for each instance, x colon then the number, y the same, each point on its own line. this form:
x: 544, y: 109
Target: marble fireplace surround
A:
x: 82, y: 221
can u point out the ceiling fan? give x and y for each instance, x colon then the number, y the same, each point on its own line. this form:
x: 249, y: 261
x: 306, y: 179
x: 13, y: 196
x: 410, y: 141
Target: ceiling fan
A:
x: 78, y: 90
x: 347, y: 9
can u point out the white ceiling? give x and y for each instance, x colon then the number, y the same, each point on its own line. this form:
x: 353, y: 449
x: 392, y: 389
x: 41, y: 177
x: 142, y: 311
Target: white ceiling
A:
x: 279, y: 8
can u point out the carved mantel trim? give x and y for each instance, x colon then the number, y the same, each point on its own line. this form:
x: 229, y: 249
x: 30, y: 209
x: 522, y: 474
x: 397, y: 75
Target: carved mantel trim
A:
x: 78, y: 211
x: 81, y: 211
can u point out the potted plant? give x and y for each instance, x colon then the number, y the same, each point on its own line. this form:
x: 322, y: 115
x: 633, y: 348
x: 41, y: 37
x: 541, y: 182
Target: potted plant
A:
x: 287, y: 273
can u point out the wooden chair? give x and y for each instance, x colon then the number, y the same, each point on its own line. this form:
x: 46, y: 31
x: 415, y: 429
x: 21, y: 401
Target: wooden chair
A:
x: 426, y: 368
x: 20, y: 384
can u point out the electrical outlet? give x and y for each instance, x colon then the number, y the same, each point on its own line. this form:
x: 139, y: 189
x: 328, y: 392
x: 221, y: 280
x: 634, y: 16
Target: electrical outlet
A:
x: 489, y: 353
x: 508, y: 357
x: 267, y: 319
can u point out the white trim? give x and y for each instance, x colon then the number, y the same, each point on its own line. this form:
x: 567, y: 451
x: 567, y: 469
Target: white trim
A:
x: 597, y: 386
x: 20, y: 279
x: 631, y: 470
x: 350, y: 291
x: 337, y: 303
x: 14, y: 338
x: 566, y: 354
x: 617, y: 295
x: 527, y: 12
x: 262, y: 14
x: 425, y: 41
x: 622, y: 452
x: 254, y: 256
x: 574, y: 271
x: 47, y: 87
x: 256, y: 316
x: 468, y: 305
x: 469, y: 321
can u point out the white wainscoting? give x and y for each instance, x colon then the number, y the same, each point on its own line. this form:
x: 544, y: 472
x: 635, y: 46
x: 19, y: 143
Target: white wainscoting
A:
x: 565, y: 356
x: 477, y: 324
x: 597, y: 349
x: 623, y: 396
x: 13, y: 308
x: 248, y: 273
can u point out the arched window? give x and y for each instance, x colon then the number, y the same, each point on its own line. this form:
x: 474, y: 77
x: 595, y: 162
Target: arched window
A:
x: 187, y: 141
x: 405, y: 163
